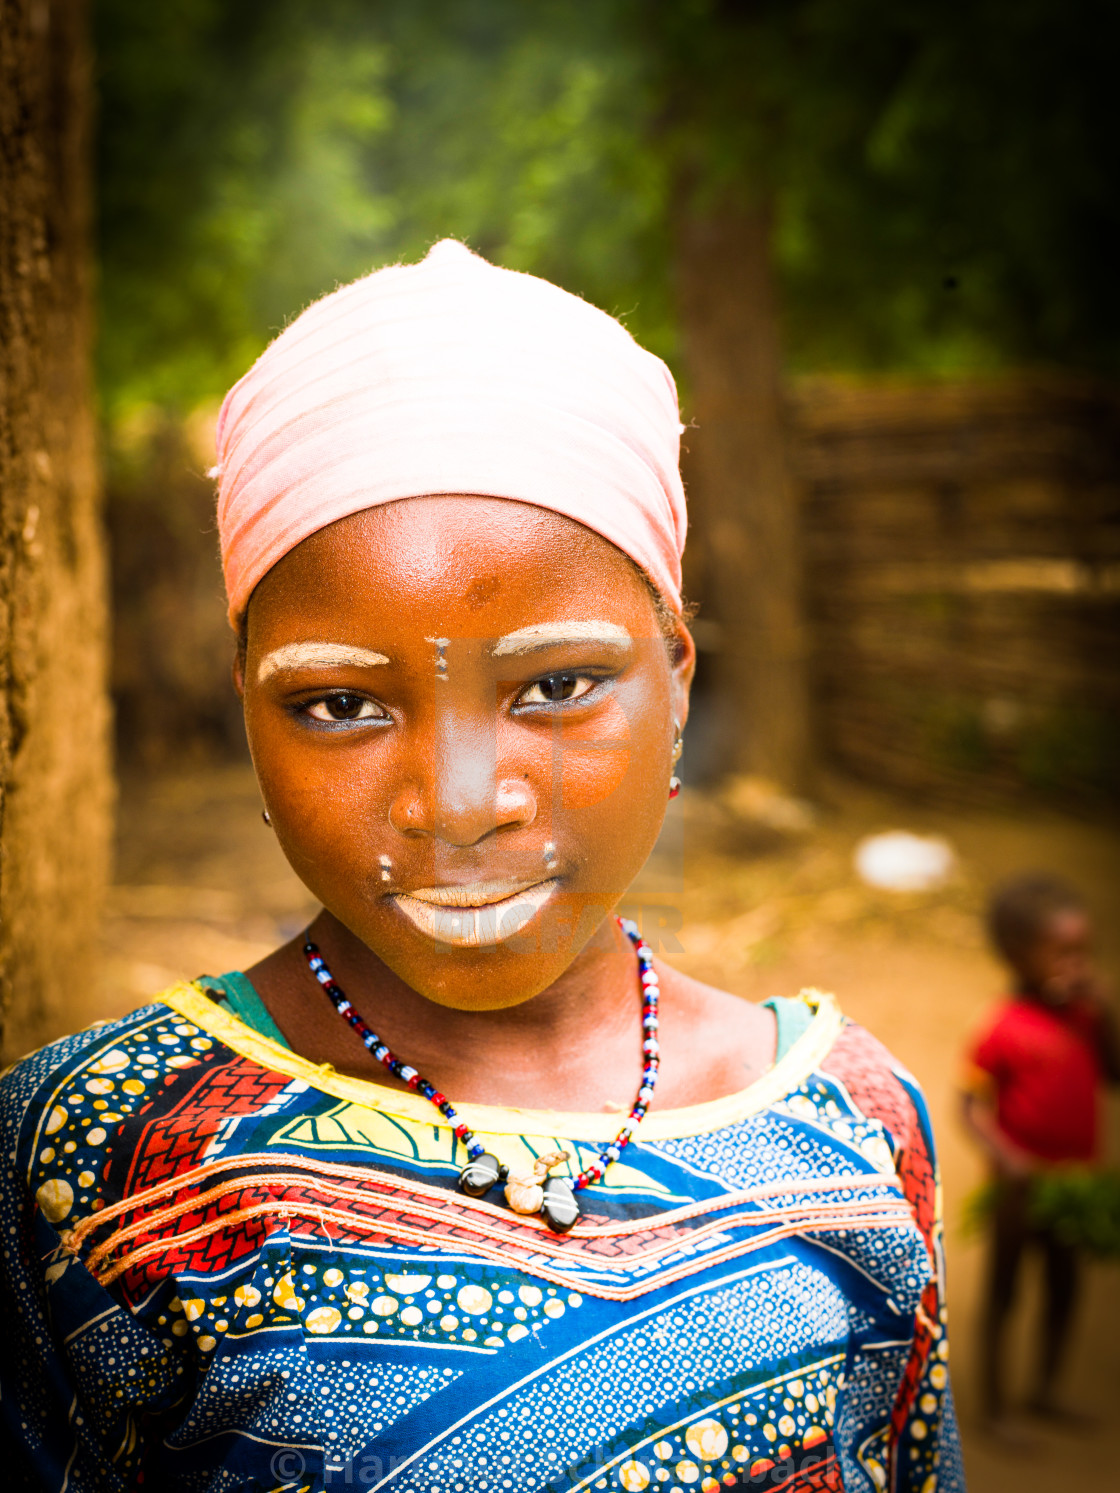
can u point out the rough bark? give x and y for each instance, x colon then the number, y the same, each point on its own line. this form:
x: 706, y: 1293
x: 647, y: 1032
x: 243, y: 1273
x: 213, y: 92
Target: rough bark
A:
x: 744, y: 504
x: 55, y: 793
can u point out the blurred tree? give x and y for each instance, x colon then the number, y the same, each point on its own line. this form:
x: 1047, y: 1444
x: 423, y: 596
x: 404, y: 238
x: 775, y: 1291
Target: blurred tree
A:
x: 54, y: 769
x: 942, y: 177
x: 724, y: 80
x: 920, y: 187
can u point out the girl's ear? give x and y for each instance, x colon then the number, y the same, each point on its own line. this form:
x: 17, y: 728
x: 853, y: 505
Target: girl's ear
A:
x: 683, y: 653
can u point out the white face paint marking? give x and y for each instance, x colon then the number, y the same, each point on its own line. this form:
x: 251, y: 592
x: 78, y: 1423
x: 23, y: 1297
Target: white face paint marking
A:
x: 466, y: 916
x: 441, y: 661
x: 316, y: 656
x: 549, y: 853
x: 386, y: 866
x: 549, y: 634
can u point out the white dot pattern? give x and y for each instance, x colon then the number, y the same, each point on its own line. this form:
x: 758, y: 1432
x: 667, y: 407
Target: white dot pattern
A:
x: 339, y: 1350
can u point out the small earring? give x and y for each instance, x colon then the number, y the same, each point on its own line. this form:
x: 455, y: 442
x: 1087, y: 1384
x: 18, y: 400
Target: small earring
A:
x: 678, y: 748
x: 267, y: 817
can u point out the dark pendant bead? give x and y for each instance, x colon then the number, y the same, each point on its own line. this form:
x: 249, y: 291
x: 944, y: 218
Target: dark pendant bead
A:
x: 559, y: 1209
x: 479, y: 1175
x: 484, y: 1171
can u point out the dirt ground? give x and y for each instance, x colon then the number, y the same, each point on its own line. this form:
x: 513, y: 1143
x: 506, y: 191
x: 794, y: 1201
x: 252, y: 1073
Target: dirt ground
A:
x: 202, y: 888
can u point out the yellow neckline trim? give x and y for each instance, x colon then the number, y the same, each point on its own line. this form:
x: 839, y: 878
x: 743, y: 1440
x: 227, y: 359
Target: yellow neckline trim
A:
x: 668, y: 1124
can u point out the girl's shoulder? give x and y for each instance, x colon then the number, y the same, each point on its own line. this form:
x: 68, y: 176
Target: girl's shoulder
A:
x: 768, y: 1052
x: 33, y: 1077
x: 66, y: 1099
x: 804, y: 1060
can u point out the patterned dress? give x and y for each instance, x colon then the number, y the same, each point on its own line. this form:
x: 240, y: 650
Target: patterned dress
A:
x: 227, y: 1268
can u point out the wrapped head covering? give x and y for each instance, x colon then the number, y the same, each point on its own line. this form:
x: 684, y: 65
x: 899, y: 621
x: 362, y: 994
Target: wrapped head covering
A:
x: 450, y: 376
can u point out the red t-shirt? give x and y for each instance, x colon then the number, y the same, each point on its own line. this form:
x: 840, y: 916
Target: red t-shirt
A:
x: 1045, y: 1064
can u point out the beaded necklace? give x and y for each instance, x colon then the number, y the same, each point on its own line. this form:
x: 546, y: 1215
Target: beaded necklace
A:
x: 554, y: 1198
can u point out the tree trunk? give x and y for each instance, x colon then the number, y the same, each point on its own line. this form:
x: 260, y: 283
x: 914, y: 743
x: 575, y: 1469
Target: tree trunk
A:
x: 55, y: 797
x: 743, y: 502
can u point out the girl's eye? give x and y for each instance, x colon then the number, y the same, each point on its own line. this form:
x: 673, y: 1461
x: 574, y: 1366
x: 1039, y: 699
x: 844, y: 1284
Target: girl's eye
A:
x: 556, y: 687
x: 345, y: 708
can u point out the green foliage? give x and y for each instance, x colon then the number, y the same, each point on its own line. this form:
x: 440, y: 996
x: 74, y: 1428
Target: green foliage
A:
x: 525, y: 137
x: 1081, y: 1207
x: 961, y: 207
x: 232, y: 186
x: 941, y: 177
x: 254, y: 157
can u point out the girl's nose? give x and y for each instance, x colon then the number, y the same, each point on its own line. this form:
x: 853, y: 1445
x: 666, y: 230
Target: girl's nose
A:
x: 460, y: 798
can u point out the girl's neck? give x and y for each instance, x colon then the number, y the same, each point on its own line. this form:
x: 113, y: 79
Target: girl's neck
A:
x: 576, y: 1046
x: 493, y: 1056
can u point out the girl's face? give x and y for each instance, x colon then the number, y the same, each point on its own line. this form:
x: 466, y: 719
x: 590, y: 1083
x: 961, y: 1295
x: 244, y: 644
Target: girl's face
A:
x: 462, y: 714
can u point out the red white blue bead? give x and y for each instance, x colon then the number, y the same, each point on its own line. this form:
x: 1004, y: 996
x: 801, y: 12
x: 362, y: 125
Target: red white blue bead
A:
x: 384, y: 1054
x: 651, y: 1051
x: 651, y: 1054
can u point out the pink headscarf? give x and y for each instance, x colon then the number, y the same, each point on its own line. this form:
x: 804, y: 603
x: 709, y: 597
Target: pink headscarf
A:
x: 450, y: 376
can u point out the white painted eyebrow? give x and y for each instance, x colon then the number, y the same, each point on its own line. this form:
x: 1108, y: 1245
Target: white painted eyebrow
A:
x: 548, y: 634
x: 316, y: 656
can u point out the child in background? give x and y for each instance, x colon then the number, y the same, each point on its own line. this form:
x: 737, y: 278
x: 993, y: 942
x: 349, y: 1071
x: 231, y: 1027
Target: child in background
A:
x: 1032, y: 1103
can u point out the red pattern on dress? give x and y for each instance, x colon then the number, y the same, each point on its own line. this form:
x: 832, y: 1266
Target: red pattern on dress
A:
x: 868, y: 1072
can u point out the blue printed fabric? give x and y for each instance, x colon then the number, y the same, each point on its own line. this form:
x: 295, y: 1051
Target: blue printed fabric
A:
x: 226, y: 1268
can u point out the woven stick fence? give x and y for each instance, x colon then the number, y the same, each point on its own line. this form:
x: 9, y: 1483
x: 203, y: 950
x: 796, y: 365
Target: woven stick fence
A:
x: 963, y: 577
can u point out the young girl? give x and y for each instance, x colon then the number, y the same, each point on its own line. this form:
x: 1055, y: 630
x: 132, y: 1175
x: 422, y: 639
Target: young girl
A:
x: 462, y: 1190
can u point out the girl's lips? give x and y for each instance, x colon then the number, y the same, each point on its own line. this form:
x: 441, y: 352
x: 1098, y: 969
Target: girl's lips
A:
x: 474, y: 917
